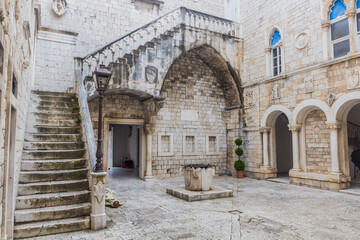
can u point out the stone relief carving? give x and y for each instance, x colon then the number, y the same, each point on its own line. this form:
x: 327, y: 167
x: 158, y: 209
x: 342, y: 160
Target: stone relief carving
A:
x: 353, y: 78
x: 99, y: 191
x: 309, y: 84
x: 151, y: 74
x: 89, y: 87
x: 276, y: 91
x: 59, y: 7
x: 330, y: 98
x: 249, y: 100
x: 302, y: 40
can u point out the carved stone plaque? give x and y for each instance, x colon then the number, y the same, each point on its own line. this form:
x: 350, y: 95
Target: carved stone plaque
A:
x: 352, y: 78
x: 59, y: 7
x: 276, y: 91
x: 151, y: 74
x: 309, y: 84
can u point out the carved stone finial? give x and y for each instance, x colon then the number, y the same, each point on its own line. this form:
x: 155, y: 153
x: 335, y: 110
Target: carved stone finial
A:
x: 59, y: 7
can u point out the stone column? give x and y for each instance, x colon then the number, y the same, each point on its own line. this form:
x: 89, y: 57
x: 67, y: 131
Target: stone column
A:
x: 325, y: 26
x: 265, y: 131
x: 335, y: 164
x: 98, y: 216
x: 268, y: 61
x: 351, y: 17
x: 149, y: 130
x: 295, y: 146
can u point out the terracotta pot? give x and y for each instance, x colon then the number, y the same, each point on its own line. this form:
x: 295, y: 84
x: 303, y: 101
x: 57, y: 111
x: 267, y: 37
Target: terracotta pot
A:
x: 240, y: 174
x: 76, y: 111
x: 78, y: 124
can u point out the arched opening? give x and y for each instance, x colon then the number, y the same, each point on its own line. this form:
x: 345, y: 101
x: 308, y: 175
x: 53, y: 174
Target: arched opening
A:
x: 353, y: 146
x: 284, y: 154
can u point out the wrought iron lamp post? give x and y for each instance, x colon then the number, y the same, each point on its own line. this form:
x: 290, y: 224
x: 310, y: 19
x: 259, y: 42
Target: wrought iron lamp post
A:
x: 101, y: 77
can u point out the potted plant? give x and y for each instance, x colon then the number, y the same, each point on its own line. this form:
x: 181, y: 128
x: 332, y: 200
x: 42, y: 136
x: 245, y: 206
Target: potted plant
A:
x: 75, y: 108
x: 73, y: 97
x: 239, y: 165
x: 78, y: 121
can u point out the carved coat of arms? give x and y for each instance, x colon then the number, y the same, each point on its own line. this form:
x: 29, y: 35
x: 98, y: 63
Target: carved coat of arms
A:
x: 151, y: 74
x: 59, y: 7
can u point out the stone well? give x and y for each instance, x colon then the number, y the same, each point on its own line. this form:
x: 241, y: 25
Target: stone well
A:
x: 199, y: 177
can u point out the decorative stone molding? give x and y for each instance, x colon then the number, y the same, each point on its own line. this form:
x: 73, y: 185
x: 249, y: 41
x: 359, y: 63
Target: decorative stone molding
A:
x: 333, y: 125
x: 54, y: 35
x: 309, y: 84
x: 149, y: 129
x: 350, y: 13
x: 325, y: 23
x: 294, y: 128
x: 330, y: 98
x: 265, y: 129
x: 59, y: 7
x: 275, y: 92
x: 353, y: 78
x: 302, y: 40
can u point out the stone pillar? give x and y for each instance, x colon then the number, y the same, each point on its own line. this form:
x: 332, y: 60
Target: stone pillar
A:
x: 325, y: 26
x: 149, y: 130
x: 268, y: 62
x: 351, y: 17
x: 295, y: 146
x: 265, y: 131
x: 335, y: 164
x: 98, y: 216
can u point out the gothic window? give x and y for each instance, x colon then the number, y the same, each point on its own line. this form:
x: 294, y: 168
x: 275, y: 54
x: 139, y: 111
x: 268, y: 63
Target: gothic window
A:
x: 1, y: 58
x: 339, y: 30
x: 276, y: 53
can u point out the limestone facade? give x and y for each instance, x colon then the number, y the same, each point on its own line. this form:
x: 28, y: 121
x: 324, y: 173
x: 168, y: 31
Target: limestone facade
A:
x: 17, y: 47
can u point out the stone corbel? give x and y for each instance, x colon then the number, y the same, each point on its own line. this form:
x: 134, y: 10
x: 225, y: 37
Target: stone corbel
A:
x: 325, y: 23
x: 265, y: 129
x: 334, y: 125
x: 294, y: 128
x: 152, y: 106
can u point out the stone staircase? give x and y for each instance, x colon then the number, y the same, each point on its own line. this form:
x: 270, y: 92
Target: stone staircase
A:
x: 53, y: 192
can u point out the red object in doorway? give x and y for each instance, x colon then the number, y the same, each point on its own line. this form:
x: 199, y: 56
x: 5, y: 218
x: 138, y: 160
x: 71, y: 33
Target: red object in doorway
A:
x: 128, y: 164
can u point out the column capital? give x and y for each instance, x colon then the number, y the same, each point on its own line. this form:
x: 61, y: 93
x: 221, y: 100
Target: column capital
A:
x: 350, y: 13
x: 325, y: 23
x: 333, y: 125
x: 268, y: 50
x: 294, y: 128
x: 265, y: 129
x: 149, y: 129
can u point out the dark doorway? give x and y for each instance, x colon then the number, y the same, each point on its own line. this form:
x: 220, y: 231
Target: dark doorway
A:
x: 284, y: 161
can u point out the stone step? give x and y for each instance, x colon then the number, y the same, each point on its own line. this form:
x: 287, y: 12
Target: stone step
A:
x: 52, y: 199
x: 46, y: 93
x: 53, y: 104
x: 54, y: 130
x: 48, y: 165
x: 53, y: 187
x: 52, y: 137
x: 53, y: 145
x: 55, y: 175
x: 51, y: 227
x: 53, y: 98
x: 52, y: 109
x: 67, y: 116
x: 52, y: 213
x: 52, y: 122
x: 52, y: 154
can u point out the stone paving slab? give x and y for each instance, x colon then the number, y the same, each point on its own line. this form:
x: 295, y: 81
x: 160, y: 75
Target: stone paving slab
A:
x: 271, y: 211
x: 190, y: 196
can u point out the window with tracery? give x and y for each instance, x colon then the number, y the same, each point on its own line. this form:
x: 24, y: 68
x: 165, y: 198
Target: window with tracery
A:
x: 276, y: 53
x: 339, y: 30
x: 358, y: 20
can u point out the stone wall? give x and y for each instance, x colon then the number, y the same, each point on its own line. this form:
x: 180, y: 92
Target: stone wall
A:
x: 318, y: 159
x: 97, y: 23
x: 191, y: 120
x: 17, y: 40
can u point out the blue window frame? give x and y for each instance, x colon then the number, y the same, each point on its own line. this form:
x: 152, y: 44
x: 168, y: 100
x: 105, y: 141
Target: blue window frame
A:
x: 276, y: 53
x: 339, y: 30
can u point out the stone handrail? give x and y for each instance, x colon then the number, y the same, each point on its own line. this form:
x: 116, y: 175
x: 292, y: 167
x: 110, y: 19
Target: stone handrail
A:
x: 139, y: 37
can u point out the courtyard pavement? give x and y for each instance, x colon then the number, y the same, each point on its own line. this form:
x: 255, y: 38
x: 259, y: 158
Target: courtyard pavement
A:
x: 270, y: 211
